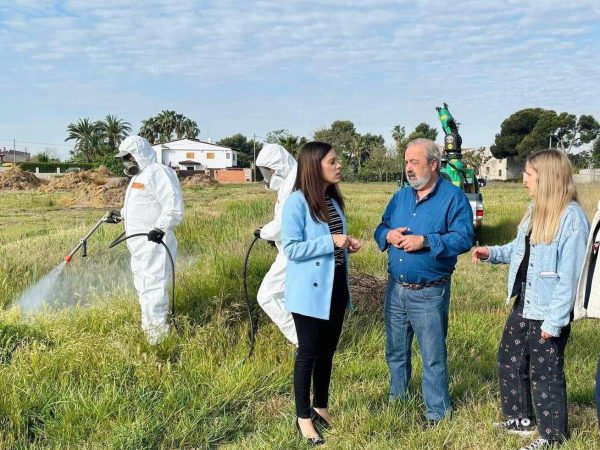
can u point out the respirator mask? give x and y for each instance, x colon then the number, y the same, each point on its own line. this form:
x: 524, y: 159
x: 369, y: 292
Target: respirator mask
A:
x: 267, y: 175
x: 131, y: 167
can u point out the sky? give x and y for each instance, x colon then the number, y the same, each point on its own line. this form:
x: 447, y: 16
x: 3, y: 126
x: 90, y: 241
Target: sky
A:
x: 257, y: 66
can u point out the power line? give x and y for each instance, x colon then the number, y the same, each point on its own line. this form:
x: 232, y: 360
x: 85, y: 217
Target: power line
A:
x: 36, y: 143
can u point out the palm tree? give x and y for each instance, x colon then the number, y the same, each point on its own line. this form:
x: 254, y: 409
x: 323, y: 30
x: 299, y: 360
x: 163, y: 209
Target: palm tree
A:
x: 88, y: 138
x: 114, y: 130
x: 398, y: 134
x: 166, y: 125
x: 190, y: 129
x: 149, y: 130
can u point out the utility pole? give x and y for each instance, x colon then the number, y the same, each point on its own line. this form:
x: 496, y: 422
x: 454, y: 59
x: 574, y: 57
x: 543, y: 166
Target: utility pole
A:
x: 254, y: 163
x: 14, y: 152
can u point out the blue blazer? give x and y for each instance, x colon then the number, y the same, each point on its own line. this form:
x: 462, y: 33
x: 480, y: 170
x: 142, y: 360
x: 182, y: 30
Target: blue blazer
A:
x: 308, y: 246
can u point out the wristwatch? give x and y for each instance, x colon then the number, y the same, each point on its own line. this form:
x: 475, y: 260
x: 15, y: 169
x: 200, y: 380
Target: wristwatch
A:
x: 425, y: 242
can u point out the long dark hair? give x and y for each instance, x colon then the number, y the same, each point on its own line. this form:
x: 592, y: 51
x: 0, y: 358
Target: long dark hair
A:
x: 310, y: 180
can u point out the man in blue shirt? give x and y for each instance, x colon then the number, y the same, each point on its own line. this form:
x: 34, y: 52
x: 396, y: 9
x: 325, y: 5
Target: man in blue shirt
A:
x: 424, y: 228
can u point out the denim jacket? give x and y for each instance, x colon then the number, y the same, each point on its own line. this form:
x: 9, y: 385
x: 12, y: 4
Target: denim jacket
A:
x: 553, y: 270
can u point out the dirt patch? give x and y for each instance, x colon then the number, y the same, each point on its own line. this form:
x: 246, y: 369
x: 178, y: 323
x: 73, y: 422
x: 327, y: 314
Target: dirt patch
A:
x: 367, y: 292
x: 18, y: 179
x: 77, y: 180
x: 199, y: 181
x: 110, y: 194
x: 91, y: 188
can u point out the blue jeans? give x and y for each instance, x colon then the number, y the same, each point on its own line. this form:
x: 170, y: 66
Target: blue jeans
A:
x: 423, y: 313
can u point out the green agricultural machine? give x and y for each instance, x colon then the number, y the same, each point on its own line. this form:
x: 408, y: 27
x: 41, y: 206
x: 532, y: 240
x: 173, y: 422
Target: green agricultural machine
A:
x: 454, y: 170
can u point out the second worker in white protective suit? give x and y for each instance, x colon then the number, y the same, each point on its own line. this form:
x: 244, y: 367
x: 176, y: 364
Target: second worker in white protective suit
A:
x: 153, y: 205
x: 279, y: 170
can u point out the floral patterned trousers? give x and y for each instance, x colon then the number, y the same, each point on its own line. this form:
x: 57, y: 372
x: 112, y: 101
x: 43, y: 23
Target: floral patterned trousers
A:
x: 531, y: 370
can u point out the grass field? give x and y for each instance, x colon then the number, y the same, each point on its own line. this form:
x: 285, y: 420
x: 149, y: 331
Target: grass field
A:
x: 84, y: 378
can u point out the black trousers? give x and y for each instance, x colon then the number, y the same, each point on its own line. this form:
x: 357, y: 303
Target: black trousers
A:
x: 531, y: 371
x: 317, y: 342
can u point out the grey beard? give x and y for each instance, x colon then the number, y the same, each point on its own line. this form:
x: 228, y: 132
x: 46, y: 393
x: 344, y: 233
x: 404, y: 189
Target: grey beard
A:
x: 420, y: 183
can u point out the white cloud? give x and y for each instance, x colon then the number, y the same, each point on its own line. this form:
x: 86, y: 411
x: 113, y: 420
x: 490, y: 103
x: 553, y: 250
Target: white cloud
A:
x: 506, y: 52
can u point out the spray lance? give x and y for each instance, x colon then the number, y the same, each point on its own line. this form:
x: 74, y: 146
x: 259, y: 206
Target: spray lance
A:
x: 114, y: 217
x: 110, y: 217
x: 253, y: 323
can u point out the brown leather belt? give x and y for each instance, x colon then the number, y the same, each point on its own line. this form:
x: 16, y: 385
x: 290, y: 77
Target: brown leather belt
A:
x: 417, y: 286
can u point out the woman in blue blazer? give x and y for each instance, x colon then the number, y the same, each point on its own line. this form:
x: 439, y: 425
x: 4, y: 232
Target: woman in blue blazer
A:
x: 316, y: 244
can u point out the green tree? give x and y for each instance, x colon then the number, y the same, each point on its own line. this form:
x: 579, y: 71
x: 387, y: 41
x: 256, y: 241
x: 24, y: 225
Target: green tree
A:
x: 353, y: 148
x: 287, y: 140
x: 89, y: 140
x: 399, y: 136
x: 476, y: 158
x: 534, y: 129
x: 42, y: 157
x: 364, y: 145
x: 167, y: 126
x: 114, y: 130
x: 109, y: 161
x: 244, y: 147
x: 423, y: 130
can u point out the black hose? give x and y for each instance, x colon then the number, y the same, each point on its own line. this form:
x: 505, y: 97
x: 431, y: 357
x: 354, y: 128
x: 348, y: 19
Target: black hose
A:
x: 250, y: 318
x: 123, y: 238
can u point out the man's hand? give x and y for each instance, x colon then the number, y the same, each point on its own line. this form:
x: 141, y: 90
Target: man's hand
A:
x: 411, y: 243
x: 353, y: 245
x: 156, y: 235
x: 112, y: 216
x: 480, y: 253
x: 395, y: 236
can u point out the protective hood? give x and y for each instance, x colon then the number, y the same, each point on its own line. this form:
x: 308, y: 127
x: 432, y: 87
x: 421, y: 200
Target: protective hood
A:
x: 275, y: 157
x: 140, y: 149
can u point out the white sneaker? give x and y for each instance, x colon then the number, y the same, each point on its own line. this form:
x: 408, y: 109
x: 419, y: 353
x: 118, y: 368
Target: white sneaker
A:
x: 522, y: 427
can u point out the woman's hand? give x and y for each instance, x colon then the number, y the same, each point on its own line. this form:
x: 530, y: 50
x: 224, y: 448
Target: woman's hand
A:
x: 353, y: 245
x: 340, y: 240
x: 480, y: 253
x: 546, y: 335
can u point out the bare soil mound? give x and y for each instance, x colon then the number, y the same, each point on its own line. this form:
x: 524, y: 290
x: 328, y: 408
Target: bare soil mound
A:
x: 17, y: 178
x: 91, y: 188
x: 77, y: 180
x: 367, y: 292
x: 199, y: 181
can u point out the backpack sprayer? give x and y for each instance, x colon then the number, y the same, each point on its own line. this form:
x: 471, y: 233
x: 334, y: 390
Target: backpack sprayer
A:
x: 114, y: 217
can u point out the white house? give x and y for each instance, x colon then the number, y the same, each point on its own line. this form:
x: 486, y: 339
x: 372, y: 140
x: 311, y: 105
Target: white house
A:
x: 192, y: 154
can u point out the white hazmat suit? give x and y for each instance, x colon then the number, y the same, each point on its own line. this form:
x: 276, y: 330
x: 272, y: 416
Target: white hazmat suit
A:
x: 153, y: 201
x: 271, y: 292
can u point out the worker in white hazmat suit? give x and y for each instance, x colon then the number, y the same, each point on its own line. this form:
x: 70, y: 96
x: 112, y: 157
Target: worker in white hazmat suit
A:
x: 153, y: 205
x: 279, y: 171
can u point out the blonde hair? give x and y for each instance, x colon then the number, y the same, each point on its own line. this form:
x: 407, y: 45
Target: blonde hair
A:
x: 555, y: 190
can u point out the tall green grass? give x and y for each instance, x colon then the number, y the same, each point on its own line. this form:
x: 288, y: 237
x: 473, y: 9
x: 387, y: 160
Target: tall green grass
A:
x: 84, y: 378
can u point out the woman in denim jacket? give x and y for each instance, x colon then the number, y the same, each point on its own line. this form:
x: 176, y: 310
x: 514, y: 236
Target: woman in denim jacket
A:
x: 545, y: 261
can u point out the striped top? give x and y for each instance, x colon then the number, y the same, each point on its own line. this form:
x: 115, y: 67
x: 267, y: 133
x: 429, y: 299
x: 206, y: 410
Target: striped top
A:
x: 335, y: 227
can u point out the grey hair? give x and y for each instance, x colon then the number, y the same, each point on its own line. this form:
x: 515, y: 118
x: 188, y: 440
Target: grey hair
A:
x: 432, y: 150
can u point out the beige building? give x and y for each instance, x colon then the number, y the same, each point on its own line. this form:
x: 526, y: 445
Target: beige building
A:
x: 500, y: 169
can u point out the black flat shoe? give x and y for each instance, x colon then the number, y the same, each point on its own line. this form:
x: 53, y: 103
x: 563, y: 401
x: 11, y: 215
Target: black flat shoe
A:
x: 312, y: 441
x: 318, y: 419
